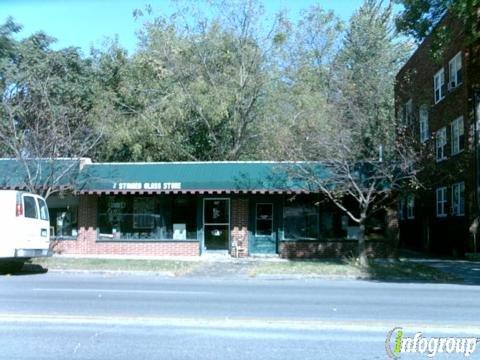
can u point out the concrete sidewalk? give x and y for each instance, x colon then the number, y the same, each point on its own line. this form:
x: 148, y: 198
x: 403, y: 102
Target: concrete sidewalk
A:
x: 221, y: 266
x: 468, y: 270
x: 206, y: 257
x: 213, y: 265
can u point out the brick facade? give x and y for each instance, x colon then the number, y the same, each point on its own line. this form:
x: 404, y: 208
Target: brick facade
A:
x: 239, y: 228
x: 87, y: 244
x: 426, y: 231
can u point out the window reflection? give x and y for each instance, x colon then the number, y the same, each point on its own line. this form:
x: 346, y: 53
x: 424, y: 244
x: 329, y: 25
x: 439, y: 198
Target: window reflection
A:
x: 147, y: 218
x: 63, y: 222
x: 300, y: 219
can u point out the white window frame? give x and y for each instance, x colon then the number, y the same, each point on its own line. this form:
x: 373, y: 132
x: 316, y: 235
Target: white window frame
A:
x: 441, y: 200
x: 458, y: 130
x: 458, y: 199
x: 439, y: 86
x: 423, y: 122
x: 410, y: 206
x: 454, y: 66
x: 441, y: 143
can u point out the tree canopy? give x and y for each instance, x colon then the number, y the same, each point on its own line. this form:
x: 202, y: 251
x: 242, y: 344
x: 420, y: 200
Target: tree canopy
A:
x: 351, y: 129
x: 420, y: 18
x: 48, y: 104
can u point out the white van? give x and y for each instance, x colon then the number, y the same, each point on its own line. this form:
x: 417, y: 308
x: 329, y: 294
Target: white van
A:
x: 24, y: 228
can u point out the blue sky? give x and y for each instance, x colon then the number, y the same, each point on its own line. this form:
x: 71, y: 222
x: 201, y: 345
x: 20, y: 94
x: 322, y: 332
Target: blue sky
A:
x: 84, y: 23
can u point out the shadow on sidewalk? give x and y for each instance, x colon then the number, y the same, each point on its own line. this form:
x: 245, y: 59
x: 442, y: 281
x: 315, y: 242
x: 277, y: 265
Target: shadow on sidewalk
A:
x: 27, y: 269
x: 467, y: 272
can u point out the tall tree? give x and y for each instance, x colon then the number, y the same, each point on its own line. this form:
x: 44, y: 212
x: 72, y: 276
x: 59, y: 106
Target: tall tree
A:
x: 195, y: 89
x: 300, y: 78
x: 46, y: 108
x: 128, y: 88
x: 364, y: 158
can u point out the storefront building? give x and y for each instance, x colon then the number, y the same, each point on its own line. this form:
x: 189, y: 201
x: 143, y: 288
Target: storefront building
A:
x: 192, y: 208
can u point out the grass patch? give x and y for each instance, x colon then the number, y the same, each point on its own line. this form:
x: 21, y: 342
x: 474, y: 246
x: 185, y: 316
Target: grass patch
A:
x: 380, y: 270
x: 473, y: 256
x: 377, y: 270
x: 306, y: 268
x: 411, y: 271
x: 171, y: 267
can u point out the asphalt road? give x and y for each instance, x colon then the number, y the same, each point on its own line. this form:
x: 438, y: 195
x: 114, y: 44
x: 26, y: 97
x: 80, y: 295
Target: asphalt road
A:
x: 88, y: 316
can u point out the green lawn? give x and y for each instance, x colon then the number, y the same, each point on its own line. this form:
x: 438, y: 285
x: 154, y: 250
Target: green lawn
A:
x: 171, y: 267
x: 306, y: 268
x: 402, y: 270
x: 378, y: 270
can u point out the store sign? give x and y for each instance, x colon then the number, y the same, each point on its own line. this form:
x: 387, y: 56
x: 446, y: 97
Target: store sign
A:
x: 148, y: 186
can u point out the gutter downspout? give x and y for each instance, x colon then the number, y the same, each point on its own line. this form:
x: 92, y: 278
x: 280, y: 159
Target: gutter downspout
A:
x: 476, y: 119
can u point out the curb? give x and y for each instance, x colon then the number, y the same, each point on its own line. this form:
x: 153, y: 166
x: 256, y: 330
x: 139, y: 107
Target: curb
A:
x: 113, y: 272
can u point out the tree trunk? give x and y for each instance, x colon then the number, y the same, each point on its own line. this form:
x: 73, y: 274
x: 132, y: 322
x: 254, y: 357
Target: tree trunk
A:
x: 362, y: 251
x: 392, y: 232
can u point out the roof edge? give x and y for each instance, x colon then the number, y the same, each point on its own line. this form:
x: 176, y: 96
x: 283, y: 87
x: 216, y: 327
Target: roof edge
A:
x: 203, y: 162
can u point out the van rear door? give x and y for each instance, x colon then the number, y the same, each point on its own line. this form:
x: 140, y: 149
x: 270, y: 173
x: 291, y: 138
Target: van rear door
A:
x: 44, y: 218
x: 31, y: 223
x: 36, y: 230
x: 36, y: 226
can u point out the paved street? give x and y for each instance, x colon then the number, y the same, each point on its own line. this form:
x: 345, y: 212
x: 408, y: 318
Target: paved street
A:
x: 93, y: 316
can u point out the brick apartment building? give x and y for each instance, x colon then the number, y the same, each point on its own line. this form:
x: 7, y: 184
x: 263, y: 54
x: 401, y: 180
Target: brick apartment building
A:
x: 435, y: 98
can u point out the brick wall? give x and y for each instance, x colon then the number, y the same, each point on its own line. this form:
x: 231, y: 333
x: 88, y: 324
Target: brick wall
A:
x: 86, y: 243
x: 239, y: 227
x: 330, y: 249
x: 415, y: 81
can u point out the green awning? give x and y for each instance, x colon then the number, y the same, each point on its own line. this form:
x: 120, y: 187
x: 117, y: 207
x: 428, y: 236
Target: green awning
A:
x: 156, y: 178
x: 189, y: 177
x: 39, y: 173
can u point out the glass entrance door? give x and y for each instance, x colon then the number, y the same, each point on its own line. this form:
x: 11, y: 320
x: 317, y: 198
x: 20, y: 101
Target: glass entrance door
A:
x: 264, y: 241
x: 216, y: 220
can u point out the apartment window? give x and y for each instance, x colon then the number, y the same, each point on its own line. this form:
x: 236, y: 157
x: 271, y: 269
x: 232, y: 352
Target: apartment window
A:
x: 458, y: 199
x: 408, y: 112
x: 439, y: 85
x: 455, y: 71
x: 401, y: 209
x: 424, y: 135
x: 441, y: 144
x: 441, y: 201
x: 458, y: 136
x: 410, y: 206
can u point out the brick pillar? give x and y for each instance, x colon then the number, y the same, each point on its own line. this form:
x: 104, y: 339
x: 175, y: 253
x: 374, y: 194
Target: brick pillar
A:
x: 239, y: 227
x: 87, y: 224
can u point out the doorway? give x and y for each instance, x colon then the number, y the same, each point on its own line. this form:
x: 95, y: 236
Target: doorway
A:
x: 216, y: 224
x: 264, y: 240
